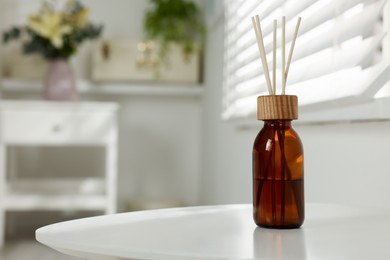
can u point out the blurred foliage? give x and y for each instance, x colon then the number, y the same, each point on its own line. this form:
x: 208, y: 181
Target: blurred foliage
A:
x: 175, y: 21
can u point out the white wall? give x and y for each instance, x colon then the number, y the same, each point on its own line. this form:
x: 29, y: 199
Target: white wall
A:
x: 347, y: 163
x: 344, y: 163
x: 226, y: 153
x: 159, y: 148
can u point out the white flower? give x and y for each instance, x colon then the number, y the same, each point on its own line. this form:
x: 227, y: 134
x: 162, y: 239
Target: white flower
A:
x: 49, y: 25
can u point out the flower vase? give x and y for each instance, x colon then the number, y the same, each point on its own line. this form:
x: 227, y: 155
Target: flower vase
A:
x: 59, y: 83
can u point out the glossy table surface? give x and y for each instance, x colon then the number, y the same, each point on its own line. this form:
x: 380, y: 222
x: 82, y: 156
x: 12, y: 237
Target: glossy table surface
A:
x: 223, y: 232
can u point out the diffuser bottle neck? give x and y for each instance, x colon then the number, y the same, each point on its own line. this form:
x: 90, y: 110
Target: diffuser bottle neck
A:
x: 284, y: 124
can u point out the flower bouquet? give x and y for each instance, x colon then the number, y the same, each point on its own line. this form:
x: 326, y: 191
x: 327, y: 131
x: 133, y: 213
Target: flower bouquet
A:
x: 56, y: 36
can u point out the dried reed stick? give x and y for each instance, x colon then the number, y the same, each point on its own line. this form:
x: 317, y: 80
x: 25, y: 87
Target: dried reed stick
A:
x: 283, y: 55
x: 260, y: 44
x: 292, y: 46
x: 274, y: 57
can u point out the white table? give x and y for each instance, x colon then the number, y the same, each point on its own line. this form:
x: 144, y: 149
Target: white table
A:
x: 223, y: 232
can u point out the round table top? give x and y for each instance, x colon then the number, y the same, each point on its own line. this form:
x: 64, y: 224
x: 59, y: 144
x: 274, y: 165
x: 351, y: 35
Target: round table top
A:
x: 223, y: 232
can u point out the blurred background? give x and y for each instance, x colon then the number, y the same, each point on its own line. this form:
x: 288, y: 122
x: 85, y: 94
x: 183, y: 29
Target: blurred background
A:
x: 185, y: 117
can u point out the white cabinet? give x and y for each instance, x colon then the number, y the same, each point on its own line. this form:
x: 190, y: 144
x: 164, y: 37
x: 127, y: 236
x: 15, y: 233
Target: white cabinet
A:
x: 42, y: 123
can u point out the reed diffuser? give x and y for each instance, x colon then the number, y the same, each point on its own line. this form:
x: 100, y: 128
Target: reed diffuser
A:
x: 278, y: 185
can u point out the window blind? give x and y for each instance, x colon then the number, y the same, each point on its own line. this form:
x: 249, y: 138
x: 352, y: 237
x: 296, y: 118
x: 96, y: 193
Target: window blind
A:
x: 337, y: 57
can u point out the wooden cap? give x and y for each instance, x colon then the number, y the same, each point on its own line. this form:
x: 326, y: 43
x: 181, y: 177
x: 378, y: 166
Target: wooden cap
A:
x: 275, y: 107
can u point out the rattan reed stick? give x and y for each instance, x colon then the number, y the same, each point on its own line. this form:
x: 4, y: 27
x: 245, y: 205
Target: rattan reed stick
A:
x: 260, y: 44
x: 292, y: 46
x: 274, y: 58
x: 283, y: 55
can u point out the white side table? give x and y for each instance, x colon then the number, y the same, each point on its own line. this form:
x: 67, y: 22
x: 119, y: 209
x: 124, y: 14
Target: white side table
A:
x: 42, y: 123
x: 223, y: 232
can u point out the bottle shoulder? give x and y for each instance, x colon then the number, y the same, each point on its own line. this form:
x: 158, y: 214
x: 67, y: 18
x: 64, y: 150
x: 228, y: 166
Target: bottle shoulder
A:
x: 275, y: 135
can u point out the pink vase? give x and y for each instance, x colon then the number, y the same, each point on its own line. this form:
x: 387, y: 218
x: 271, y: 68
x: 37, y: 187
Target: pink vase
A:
x: 60, y: 82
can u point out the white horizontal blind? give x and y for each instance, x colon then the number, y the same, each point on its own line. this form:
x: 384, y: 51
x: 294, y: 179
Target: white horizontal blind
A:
x: 337, y: 55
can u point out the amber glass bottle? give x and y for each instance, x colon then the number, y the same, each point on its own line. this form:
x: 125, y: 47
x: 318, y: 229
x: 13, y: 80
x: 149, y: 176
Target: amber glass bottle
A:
x: 278, y: 193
